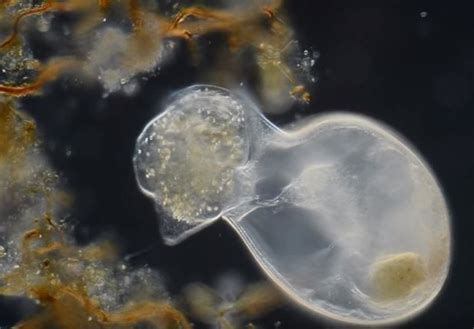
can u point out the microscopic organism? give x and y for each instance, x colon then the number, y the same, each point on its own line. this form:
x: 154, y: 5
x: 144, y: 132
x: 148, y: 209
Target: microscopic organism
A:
x: 338, y: 210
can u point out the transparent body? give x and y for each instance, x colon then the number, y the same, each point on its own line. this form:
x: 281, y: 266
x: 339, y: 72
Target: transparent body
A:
x: 338, y: 210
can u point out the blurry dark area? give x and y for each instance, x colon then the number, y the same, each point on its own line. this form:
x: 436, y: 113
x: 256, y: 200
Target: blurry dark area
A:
x: 408, y: 64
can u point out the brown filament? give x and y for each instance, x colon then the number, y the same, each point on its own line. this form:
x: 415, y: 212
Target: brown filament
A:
x: 104, y: 5
x: 135, y: 15
x: 50, y: 72
x: 16, y: 23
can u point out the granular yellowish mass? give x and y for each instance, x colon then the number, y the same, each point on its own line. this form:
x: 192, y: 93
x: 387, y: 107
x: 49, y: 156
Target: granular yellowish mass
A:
x: 190, y: 155
x: 395, y: 276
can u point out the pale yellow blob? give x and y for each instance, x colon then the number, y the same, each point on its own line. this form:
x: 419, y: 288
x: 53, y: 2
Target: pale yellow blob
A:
x: 395, y: 276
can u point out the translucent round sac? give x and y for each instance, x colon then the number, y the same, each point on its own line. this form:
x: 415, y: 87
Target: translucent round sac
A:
x: 338, y: 210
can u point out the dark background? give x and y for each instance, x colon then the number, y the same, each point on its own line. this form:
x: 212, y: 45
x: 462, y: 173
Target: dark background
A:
x: 380, y: 58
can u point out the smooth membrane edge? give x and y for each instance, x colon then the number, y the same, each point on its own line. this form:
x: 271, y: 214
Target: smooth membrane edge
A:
x: 394, y: 136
